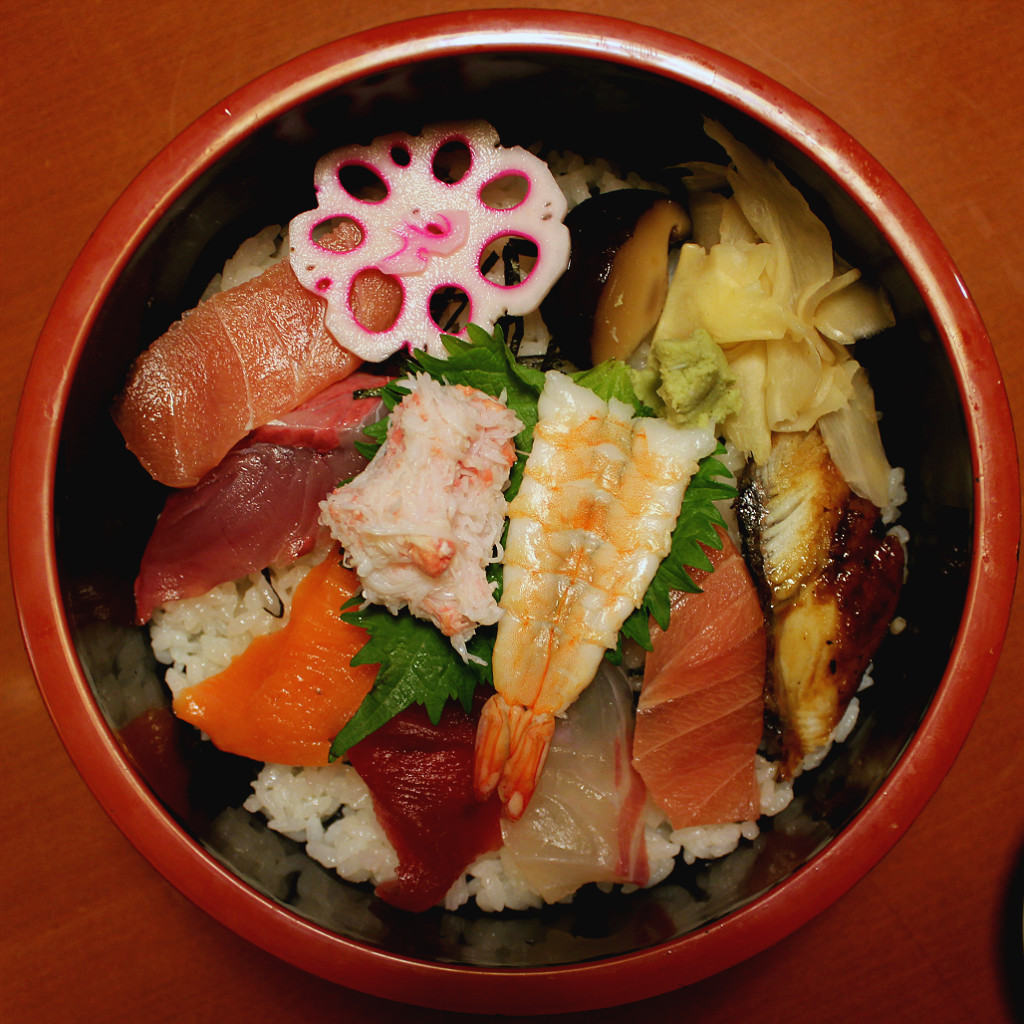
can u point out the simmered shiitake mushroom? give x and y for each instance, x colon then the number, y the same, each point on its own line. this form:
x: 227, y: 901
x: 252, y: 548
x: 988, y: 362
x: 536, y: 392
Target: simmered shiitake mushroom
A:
x: 610, y: 297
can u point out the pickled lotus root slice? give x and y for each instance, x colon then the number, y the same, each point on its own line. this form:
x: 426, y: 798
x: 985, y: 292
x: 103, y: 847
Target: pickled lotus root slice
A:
x: 430, y: 209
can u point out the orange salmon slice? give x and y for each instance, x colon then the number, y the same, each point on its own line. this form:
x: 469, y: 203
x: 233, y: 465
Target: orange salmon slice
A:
x: 701, y: 709
x: 285, y: 698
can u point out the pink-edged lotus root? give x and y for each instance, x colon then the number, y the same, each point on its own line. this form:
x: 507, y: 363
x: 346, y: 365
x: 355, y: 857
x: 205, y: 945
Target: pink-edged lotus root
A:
x: 429, y: 229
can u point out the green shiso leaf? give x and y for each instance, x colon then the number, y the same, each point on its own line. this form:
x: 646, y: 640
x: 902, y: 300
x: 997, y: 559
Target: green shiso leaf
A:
x: 696, y: 526
x: 612, y: 379
x: 418, y: 664
x: 484, y: 362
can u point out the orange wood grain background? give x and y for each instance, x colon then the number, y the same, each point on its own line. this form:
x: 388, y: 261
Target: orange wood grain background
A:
x: 91, y: 91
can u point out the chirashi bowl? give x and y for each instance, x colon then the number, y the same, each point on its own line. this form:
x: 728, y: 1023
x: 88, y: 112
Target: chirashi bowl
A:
x: 637, y: 97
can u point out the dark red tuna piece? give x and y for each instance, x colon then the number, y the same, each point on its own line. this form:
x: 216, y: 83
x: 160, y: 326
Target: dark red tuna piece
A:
x: 421, y: 778
x: 259, y: 507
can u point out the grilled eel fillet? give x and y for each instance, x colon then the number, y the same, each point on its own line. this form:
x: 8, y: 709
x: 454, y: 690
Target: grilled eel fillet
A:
x: 829, y: 579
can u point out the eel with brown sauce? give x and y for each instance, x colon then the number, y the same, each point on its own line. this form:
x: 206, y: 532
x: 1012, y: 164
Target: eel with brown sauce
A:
x: 829, y: 578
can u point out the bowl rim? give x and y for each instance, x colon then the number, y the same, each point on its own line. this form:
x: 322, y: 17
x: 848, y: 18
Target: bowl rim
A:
x: 179, y: 858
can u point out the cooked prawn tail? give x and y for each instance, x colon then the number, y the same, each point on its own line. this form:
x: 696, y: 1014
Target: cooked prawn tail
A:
x: 511, y: 747
x: 530, y: 737
x: 492, y: 746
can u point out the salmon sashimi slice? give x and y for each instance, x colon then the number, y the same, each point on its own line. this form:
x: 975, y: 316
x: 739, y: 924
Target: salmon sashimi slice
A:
x: 239, y: 359
x: 701, y: 710
x: 285, y: 698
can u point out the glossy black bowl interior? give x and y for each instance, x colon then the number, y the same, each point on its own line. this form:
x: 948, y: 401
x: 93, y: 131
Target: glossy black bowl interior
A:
x: 601, y: 110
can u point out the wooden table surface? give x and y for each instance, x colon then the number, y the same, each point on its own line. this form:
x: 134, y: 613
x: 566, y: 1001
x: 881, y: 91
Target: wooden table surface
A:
x: 934, y: 89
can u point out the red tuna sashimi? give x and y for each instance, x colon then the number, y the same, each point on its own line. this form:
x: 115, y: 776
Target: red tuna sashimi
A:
x: 700, y: 715
x: 585, y: 821
x: 259, y: 507
x: 332, y: 419
x: 421, y: 778
x: 235, y: 362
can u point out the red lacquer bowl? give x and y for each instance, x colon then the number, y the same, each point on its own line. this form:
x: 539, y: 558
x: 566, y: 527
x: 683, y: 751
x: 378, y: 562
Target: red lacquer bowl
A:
x: 247, y: 163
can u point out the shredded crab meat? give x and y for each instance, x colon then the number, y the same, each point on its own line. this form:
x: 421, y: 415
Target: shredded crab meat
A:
x: 423, y: 521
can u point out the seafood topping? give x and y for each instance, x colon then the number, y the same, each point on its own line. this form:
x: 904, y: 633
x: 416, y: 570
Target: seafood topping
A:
x: 585, y: 822
x: 260, y: 506
x: 701, y: 709
x: 335, y: 418
x: 421, y: 524
x: 592, y: 520
x: 284, y: 698
x: 428, y: 230
x: 829, y: 578
x: 421, y: 778
x: 239, y: 359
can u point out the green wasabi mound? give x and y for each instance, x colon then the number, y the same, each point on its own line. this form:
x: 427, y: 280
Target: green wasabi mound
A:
x: 688, y: 381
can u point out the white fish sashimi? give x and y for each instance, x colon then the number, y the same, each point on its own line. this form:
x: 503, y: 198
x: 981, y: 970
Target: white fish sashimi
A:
x: 585, y: 822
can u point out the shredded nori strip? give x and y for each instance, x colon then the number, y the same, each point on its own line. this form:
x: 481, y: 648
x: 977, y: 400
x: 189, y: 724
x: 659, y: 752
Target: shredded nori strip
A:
x: 514, y: 329
x: 278, y: 608
x: 450, y: 303
x: 488, y: 264
x: 510, y: 257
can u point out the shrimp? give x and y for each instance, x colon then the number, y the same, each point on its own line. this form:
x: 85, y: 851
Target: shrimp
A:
x: 592, y: 521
